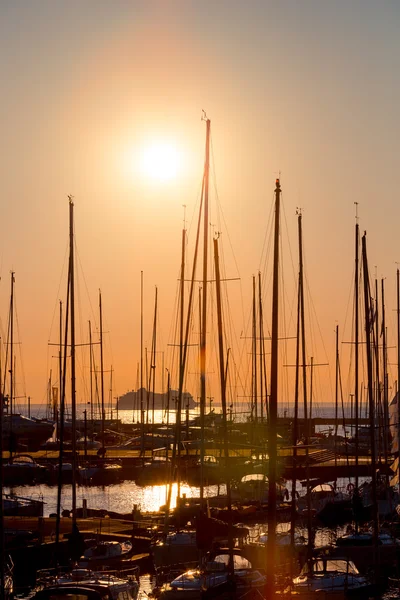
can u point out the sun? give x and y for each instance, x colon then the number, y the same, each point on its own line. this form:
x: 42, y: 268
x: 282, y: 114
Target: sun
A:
x: 160, y: 161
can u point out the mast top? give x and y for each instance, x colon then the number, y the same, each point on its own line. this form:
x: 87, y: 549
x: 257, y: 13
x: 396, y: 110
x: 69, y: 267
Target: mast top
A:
x: 356, y: 203
x: 278, y: 184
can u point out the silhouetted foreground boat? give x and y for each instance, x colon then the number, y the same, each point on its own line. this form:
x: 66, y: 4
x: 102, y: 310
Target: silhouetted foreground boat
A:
x: 333, y: 577
x: 106, y: 554
x: 213, y: 580
x: 87, y: 585
x: 26, y: 431
x: 21, y: 507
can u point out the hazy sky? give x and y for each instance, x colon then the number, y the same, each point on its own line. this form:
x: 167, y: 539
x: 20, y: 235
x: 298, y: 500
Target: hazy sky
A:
x: 308, y: 89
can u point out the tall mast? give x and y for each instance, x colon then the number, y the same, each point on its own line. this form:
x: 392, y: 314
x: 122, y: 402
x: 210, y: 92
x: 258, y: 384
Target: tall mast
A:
x: 91, y: 376
x: 204, y: 305
x: 254, y: 361
x: 260, y: 318
x: 176, y: 451
x: 60, y: 372
x: 141, y: 360
x: 101, y: 373
x: 368, y: 331
x: 336, y: 389
x: 307, y: 421
x: 385, y: 383
x: 398, y: 368
x: 295, y: 426
x: 2, y: 541
x: 11, y: 358
x: 12, y: 342
x: 72, y: 333
x: 303, y: 334
x: 356, y: 335
x: 378, y: 402
x: 223, y: 400
x: 153, y: 366
x: 178, y: 424
x: 62, y: 413
x: 273, y: 406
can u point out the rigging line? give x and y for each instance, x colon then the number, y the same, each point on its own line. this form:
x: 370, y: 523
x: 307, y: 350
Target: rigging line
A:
x: 266, y: 254
x: 313, y: 319
x: 62, y: 277
x: 266, y: 281
x: 314, y: 313
x: 220, y: 214
x: 246, y: 353
x: 7, y: 352
x: 282, y: 287
x: 172, y: 332
x: 350, y: 374
x: 109, y: 348
x: 266, y: 236
x: 294, y: 269
x: 195, y: 210
x: 78, y: 260
x: 227, y: 318
x: 20, y: 349
x: 218, y: 203
x: 343, y: 413
x: 79, y: 353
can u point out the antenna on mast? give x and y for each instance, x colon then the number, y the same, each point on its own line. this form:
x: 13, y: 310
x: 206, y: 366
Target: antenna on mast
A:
x: 184, y: 216
x: 356, y: 203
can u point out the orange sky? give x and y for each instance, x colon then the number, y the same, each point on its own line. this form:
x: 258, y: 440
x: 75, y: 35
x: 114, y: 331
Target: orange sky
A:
x: 302, y: 89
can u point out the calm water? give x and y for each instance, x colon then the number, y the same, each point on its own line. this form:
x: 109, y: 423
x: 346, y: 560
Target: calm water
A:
x: 242, y: 411
x: 123, y: 496
x: 120, y: 497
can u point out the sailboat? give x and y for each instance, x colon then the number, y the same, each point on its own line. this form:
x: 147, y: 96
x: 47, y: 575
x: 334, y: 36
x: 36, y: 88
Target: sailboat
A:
x: 87, y: 585
x: 331, y: 578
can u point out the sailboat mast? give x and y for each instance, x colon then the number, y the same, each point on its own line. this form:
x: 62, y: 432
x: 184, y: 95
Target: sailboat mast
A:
x: 260, y: 319
x: 336, y: 389
x: 62, y: 413
x: 72, y: 333
x: 307, y: 421
x: 356, y: 348
x: 141, y: 360
x: 273, y: 405
x: 2, y: 541
x: 385, y: 383
x: 398, y: 368
x: 11, y: 350
x: 223, y: 400
x: 378, y: 399
x: 153, y: 366
x: 101, y: 372
x: 302, y: 329
x: 204, y: 306
x: 368, y: 331
x: 254, y: 362
x: 91, y: 375
x: 57, y: 409
x: 295, y: 427
x: 181, y: 357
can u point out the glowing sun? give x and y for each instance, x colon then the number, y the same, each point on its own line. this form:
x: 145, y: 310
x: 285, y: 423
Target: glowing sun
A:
x: 160, y: 161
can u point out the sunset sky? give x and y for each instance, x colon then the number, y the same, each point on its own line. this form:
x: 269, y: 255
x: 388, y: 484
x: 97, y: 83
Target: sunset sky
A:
x: 97, y: 94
